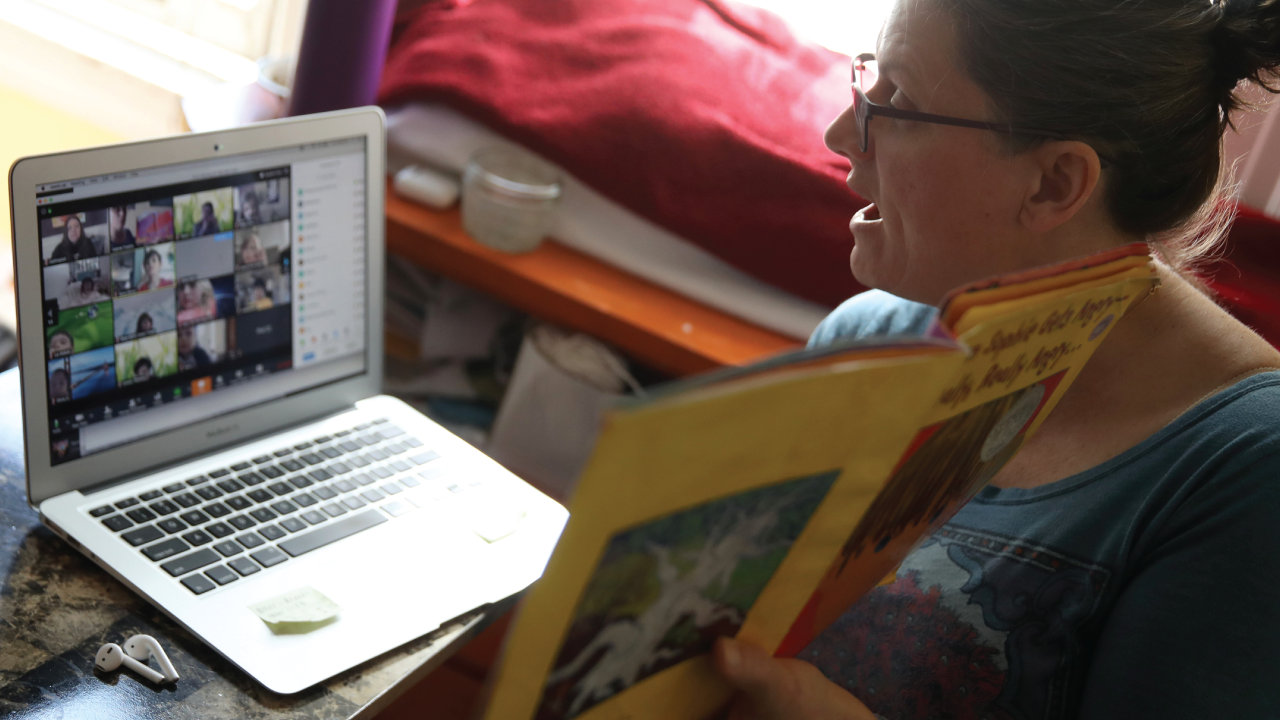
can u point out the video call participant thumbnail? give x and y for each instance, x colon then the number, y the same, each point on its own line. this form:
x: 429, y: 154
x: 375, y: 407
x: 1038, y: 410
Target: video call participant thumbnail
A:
x: 204, y: 213
x: 262, y: 331
x: 73, y: 237
x: 261, y: 289
x: 262, y: 202
x: 122, y: 226
x: 155, y: 221
x: 77, y: 330
x: 143, y: 269
x: 205, y: 257
x: 204, y: 300
x: 262, y: 245
x: 145, y: 314
x: 202, y: 345
x: 76, y: 283
x: 146, y: 359
x: 82, y: 375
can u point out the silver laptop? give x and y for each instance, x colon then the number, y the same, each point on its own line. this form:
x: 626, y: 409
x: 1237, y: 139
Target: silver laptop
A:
x: 200, y: 322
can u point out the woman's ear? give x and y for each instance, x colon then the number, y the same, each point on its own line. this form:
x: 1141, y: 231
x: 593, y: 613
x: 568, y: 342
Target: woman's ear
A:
x: 1065, y: 175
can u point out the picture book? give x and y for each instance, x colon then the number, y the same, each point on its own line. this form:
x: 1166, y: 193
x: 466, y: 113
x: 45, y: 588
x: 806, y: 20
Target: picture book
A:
x: 761, y: 502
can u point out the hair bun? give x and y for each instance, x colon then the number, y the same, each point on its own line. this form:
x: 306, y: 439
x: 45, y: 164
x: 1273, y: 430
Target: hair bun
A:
x: 1247, y: 42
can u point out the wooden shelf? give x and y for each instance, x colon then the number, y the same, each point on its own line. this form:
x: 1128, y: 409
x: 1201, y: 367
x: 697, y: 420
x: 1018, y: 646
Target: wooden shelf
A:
x: 653, y: 325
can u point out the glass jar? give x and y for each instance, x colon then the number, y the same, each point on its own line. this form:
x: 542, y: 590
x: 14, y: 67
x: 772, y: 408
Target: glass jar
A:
x: 509, y: 198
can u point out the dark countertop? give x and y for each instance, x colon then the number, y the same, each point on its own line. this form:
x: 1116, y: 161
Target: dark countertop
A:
x: 57, y: 608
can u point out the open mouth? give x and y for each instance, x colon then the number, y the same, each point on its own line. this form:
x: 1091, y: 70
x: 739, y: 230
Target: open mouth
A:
x: 870, y: 213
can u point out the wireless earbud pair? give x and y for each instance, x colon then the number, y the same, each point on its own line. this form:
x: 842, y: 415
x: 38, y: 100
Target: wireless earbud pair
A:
x: 135, y: 654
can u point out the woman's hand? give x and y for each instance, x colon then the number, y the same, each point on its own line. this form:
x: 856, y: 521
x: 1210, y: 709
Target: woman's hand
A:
x: 781, y: 689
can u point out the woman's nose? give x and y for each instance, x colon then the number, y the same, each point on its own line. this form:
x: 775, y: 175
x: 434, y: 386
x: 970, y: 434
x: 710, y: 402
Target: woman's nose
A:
x: 842, y: 135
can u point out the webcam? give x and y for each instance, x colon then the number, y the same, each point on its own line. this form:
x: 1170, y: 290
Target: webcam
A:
x: 217, y: 147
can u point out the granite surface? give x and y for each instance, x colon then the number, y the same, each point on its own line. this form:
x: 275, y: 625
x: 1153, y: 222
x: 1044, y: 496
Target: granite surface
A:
x: 57, y: 608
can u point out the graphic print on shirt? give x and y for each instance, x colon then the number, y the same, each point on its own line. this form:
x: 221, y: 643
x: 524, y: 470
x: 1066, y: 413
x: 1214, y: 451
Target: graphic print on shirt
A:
x: 977, y: 625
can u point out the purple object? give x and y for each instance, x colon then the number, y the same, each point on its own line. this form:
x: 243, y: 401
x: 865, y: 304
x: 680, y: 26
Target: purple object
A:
x: 344, y: 46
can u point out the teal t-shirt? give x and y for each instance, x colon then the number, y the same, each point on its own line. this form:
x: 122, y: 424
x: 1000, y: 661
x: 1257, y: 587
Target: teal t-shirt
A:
x: 1145, y: 587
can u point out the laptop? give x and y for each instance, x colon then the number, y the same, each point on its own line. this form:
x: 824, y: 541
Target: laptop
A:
x: 200, y: 330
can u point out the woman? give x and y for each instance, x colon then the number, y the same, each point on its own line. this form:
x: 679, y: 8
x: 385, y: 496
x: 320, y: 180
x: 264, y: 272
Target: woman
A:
x: 196, y: 302
x: 121, y: 236
x: 75, y: 245
x: 151, y: 279
x: 145, y: 325
x: 1149, y: 493
x: 251, y: 252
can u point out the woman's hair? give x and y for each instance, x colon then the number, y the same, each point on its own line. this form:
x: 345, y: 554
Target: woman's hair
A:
x: 1150, y: 84
x: 147, y: 317
x: 66, y: 227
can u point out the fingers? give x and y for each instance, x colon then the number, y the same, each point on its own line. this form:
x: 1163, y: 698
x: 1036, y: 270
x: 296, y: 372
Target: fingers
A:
x: 752, y: 672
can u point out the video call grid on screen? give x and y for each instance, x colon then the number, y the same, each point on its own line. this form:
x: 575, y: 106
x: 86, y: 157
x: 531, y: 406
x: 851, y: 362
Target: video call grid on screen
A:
x: 158, y: 294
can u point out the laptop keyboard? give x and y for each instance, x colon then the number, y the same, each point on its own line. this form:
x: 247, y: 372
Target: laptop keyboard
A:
x: 233, y: 522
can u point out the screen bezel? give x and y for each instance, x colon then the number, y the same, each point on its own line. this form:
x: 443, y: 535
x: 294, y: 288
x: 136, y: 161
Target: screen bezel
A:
x: 45, y: 480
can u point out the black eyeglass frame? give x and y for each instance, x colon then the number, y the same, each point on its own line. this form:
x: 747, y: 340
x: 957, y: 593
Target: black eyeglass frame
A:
x: 864, y: 110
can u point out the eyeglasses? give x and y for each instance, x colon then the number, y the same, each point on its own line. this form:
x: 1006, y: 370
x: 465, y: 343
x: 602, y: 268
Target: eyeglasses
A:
x: 864, y: 76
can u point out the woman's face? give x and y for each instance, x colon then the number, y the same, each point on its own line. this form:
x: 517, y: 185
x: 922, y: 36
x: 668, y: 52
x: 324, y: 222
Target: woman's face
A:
x: 74, y: 231
x: 188, y: 296
x: 117, y: 218
x: 945, y: 200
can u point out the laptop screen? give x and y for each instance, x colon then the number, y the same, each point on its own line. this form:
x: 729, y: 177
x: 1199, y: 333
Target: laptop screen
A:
x: 175, y: 294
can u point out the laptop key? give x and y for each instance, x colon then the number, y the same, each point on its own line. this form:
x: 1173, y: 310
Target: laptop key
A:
x: 209, y: 493
x: 390, y: 431
x: 302, y: 446
x: 244, y: 566
x: 251, y: 540
x: 426, y: 457
x: 217, y: 510
x: 187, y: 500
x: 342, y: 433
x: 283, y: 452
x: 142, y: 535
x: 197, y: 537
x: 140, y: 515
x: 219, y: 530
x: 312, y: 459
x: 372, y: 495
x: 164, y: 507
x: 241, y: 466
x: 337, y: 530
x: 400, y: 465
x: 260, y: 495
x: 314, y: 517
x: 263, y: 515
x: 149, y: 496
x: 349, y: 445
x: 376, y: 454
x: 391, y: 488
x: 320, y: 474
x: 334, y: 509
x: 382, y: 472
x: 363, y: 426
x: 338, y: 468
x: 166, y: 549
x: 127, y: 502
x: 370, y: 439
x: 230, y: 485
x: 322, y: 439
x: 331, y: 452
x: 228, y: 548
x: 324, y: 493
x: 271, y: 532
x: 344, y: 486
x: 357, y: 461
x: 301, y: 481
x: 397, y: 508
x: 379, y: 421
x: 104, y: 510
x: 117, y: 523
x: 284, y: 507
x: 252, y: 478
x: 292, y: 465
x: 364, y: 479
x: 171, y: 525
x: 176, y: 487
x: 191, y: 561
x: 412, y: 442
x: 222, y: 472
x: 293, y: 525
x: 353, y: 502
x: 262, y: 459
x: 198, y: 480
x: 238, y: 503
x: 221, y: 574
x: 304, y: 499
x: 271, y: 472
x: 394, y: 448
x: 280, y: 489
x: 269, y: 556
x: 195, y: 517
x: 240, y: 522
x: 198, y: 584
x: 409, y: 481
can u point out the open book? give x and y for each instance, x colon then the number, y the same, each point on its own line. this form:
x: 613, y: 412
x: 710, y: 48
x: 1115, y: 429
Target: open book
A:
x: 762, y: 502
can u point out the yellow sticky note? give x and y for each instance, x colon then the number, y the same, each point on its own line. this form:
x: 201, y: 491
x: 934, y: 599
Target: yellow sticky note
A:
x: 297, y: 611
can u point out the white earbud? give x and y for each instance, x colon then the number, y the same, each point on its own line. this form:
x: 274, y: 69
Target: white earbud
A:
x: 111, y: 657
x: 143, y: 647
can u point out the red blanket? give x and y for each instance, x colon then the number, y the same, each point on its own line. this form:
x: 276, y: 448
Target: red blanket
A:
x: 1247, y: 279
x: 705, y: 118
